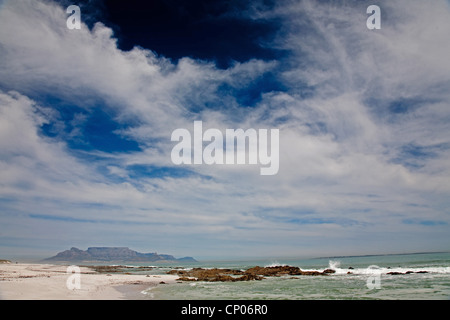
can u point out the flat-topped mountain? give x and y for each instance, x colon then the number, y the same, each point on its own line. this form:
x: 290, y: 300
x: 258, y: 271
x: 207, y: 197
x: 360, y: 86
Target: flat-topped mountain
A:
x: 114, y: 254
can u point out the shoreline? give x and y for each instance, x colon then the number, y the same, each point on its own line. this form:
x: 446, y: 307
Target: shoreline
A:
x: 33, y: 281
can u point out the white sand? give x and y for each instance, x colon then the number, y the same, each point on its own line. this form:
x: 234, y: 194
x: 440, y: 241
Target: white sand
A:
x: 49, y: 282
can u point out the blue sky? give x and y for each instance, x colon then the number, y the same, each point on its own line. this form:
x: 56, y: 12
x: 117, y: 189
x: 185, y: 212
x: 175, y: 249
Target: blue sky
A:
x: 86, y: 118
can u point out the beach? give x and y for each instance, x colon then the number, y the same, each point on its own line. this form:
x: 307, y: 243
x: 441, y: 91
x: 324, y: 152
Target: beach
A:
x: 24, y: 281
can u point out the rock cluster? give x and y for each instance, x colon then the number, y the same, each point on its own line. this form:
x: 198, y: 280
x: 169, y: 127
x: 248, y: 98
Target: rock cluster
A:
x: 118, y: 268
x: 255, y: 273
x: 407, y: 272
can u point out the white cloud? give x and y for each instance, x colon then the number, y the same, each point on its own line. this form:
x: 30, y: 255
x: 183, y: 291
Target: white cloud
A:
x: 338, y: 141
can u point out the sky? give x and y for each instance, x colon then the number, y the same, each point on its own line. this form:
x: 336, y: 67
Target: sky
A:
x: 86, y: 117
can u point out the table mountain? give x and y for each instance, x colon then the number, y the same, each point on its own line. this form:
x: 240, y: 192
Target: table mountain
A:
x: 113, y: 254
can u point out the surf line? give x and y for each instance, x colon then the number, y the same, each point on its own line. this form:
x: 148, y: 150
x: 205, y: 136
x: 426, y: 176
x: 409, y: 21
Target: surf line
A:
x: 189, y: 150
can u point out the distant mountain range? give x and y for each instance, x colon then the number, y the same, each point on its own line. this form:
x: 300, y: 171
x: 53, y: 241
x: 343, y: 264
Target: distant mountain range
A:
x: 107, y: 254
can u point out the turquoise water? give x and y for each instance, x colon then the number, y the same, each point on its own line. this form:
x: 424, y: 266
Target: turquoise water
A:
x: 369, y: 279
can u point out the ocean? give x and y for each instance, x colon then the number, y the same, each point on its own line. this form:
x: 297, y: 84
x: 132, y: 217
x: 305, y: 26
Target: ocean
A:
x: 421, y: 276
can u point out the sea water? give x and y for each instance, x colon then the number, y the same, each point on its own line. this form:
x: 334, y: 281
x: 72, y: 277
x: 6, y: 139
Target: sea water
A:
x: 364, y: 277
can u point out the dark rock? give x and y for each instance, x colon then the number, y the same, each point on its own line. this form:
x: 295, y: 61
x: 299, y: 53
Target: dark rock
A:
x: 275, y: 271
x: 255, y: 273
x: 394, y: 273
x: 329, y: 271
x: 312, y: 273
x: 407, y: 272
x: 174, y: 271
x: 186, y: 279
x: 247, y: 277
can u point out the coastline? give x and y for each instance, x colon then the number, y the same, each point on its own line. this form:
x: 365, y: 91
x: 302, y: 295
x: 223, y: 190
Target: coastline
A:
x: 33, y: 281
x: 386, y: 277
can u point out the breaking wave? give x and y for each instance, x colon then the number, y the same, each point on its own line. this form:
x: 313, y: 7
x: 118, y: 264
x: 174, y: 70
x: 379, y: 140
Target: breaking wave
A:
x: 375, y: 269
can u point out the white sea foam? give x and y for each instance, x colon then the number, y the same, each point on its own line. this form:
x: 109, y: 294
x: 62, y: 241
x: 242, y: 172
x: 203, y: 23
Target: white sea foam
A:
x: 332, y: 264
x: 375, y: 269
x: 335, y: 265
x: 274, y: 264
